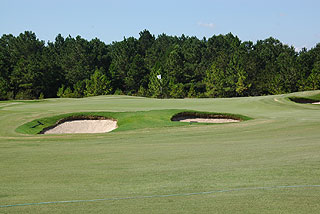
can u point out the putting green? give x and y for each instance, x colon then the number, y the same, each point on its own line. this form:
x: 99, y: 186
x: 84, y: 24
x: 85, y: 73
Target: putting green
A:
x: 239, y: 164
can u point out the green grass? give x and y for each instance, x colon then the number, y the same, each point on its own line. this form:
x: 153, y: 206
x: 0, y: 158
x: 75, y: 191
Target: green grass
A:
x: 279, y: 147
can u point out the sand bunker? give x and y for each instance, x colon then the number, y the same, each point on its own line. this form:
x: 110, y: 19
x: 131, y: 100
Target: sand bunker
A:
x: 207, y: 120
x: 83, y: 126
x: 195, y: 117
x: 303, y: 100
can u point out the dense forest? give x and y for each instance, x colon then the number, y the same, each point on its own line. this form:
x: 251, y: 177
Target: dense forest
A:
x: 163, y: 67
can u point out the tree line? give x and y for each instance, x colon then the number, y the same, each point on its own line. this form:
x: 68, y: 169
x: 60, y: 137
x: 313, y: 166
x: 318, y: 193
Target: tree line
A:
x: 220, y: 66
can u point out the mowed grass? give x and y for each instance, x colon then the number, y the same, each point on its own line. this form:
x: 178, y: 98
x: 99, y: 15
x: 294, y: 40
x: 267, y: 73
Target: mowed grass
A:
x: 280, y: 146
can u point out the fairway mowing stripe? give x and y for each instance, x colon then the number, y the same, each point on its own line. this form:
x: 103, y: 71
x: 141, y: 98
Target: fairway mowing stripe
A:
x: 160, y: 196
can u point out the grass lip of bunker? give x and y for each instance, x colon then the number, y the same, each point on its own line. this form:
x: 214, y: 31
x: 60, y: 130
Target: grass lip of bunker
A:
x: 207, y: 117
x: 315, y: 99
x: 81, y: 124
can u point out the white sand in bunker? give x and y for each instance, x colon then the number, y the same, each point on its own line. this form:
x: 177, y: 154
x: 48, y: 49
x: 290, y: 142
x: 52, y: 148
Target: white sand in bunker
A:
x: 207, y: 120
x: 316, y: 103
x: 83, y: 126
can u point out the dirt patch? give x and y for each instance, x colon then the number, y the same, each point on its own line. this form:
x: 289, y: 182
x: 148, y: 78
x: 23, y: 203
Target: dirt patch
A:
x: 194, y: 117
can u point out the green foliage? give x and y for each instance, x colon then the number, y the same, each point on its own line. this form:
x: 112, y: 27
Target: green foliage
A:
x: 275, y: 84
x: 65, y: 92
x: 240, y: 79
x: 137, y: 75
x: 98, y: 84
x: 242, y: 86
x: 118, y: 92
x: 177, y: 90
x: 25, y: 95
x: 79, y: 89
x: 41, y: 96
x: 214, y: 81
x: 175, y: 65
x: 155, y: 84
x: 313, y: 80
x: 68, y: 93
x: 221, y: 66
x: 192, y: 92
x: 4, y: 88
x: 60, y: 91
x: 142, y: 92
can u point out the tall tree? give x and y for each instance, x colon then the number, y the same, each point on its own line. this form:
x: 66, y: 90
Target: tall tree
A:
x: 214, y: 81
x: 27, y: 72
x: 313, y: 80
x: 155, y: 83
x: 122, y: 54
x: 146, y: 41
x: 98, y: 84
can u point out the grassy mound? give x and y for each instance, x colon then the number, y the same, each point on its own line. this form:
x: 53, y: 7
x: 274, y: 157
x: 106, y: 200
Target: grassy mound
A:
x: 126, y: 120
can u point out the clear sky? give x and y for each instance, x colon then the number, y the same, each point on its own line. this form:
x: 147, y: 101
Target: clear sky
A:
x: 293, y: 22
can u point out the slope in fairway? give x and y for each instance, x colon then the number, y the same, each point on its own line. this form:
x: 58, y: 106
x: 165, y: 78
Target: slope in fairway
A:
x: 279, y: 148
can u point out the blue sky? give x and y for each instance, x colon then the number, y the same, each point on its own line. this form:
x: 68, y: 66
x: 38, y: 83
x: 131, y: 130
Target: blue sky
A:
x: 295, y: 22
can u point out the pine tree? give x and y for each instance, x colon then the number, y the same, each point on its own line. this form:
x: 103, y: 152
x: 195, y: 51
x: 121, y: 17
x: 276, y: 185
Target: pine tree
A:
x: 155, y: 84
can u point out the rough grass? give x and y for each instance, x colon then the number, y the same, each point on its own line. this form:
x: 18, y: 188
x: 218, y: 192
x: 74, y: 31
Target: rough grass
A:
x: 279, y: 147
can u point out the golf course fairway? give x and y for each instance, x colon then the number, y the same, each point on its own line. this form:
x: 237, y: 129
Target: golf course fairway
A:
x: 269, y: 163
